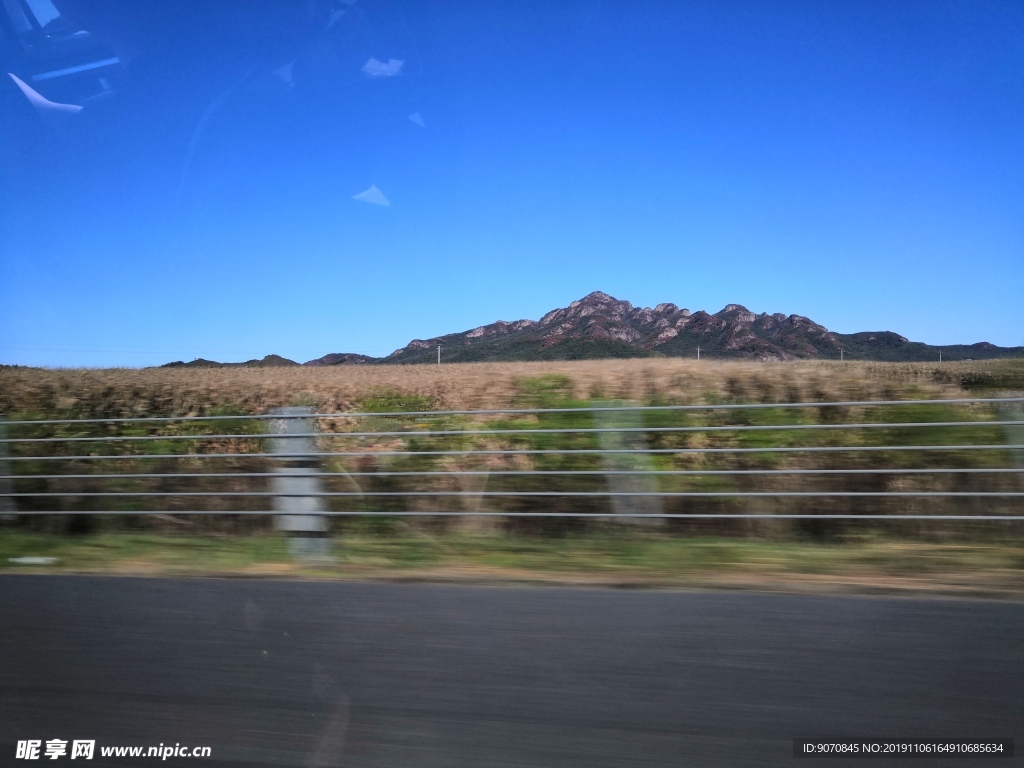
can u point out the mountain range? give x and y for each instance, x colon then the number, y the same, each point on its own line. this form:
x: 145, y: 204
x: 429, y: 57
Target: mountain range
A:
x: 601, y: 326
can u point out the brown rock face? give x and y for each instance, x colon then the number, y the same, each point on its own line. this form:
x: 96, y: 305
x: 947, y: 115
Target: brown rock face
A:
x: 601, y: 325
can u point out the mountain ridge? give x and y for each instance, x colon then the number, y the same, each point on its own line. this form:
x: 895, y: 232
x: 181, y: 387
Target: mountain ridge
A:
x: 601, y: 326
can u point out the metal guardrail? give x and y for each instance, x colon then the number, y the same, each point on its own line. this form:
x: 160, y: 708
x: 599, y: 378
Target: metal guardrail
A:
x: 493, y: 439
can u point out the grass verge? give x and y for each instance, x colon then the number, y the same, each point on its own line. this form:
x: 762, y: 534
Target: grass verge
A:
x: 640, y: 560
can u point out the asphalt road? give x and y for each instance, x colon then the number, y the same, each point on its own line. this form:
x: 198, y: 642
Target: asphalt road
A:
x: 286, y: 673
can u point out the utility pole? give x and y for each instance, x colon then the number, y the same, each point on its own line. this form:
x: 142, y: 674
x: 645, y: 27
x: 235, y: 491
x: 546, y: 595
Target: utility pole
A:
x: 698, y: 353
x: 438, y: 354
x: 840, y: 354
x: 940, y: 355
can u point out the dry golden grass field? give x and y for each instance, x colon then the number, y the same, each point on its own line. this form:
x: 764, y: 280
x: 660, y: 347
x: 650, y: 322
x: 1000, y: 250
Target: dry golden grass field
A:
x: 162, y: 391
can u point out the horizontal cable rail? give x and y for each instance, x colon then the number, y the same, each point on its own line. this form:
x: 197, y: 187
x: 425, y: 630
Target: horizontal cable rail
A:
x: 604, y: 464
x: 525, y: 431
x: 523, y: 473
x: 496, y: 411
x: 556, y: 514
x: 506, y: 494
x: 522, y: 452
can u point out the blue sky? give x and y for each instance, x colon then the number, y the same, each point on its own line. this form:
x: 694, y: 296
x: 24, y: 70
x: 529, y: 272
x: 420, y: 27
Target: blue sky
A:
x: 861, y: 163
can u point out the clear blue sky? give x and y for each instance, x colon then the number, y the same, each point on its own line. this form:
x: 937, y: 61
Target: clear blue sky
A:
x: 861, y: 163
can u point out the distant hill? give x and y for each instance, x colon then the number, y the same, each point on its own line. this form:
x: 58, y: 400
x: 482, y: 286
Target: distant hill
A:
x: 342, y: 358
x: 270, y: 361
x: 601, y: 326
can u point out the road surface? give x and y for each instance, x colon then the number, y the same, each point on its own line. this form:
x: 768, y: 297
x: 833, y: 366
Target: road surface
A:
x: 328, y: 674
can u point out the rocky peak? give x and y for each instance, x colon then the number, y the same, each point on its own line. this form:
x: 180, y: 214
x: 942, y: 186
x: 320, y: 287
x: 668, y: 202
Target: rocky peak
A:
x: 596, y: 303
x: 642, y: 316
x: 602, y: 301
x: 597, y: 296
x: 499, y: 328
x: 738, y: 313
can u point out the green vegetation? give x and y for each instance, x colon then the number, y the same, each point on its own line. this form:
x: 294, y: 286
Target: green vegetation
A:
x: 372, y: 475
x: 764, y: 552
x: 610, y: 556
x: 1000, y: 376
x: 519, y: 348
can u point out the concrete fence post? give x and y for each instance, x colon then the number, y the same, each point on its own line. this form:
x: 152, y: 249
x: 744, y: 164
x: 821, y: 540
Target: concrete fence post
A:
x: 1014, y: 435
x: 616, y: 463
x: 298, y: 515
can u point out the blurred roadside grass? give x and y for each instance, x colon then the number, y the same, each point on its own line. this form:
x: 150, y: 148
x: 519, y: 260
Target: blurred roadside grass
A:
x: 379, y: 547
x: 626, y: 555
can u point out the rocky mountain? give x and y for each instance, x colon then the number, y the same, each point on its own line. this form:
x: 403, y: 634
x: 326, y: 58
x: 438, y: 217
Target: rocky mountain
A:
x: 601, y: 326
